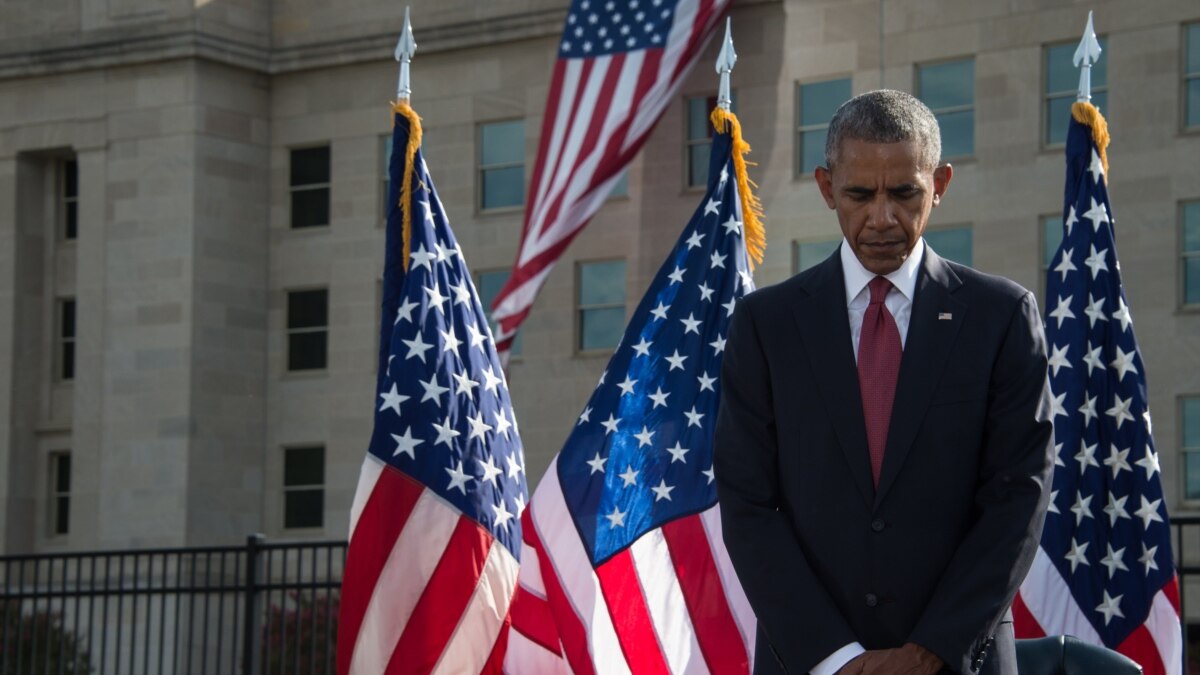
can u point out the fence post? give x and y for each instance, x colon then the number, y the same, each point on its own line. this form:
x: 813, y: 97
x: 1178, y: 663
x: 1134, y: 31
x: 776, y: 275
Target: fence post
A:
x: 250, y: 643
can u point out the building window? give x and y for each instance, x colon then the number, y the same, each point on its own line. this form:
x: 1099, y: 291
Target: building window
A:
x: 1191, y: 253
x: 309, y: 185
x: 601, y: 303
x: 815, y: 104
x: 70, y: 199
x: 501, y: 164
x: 699, y: 137
x: 66, y: 339
x: 1051, y: 236
x: 60, y: 493
x: 949, y: 91
x: 1189, y: 415
x: 1191, y: 77
x: 621, y: 188
x: 1062, y: 87
x: 387, y: 175
x: 307, y: 329
x: 952, y: 243
x: 304, y: 487
x: 489, y: 286
x: 809, y: 253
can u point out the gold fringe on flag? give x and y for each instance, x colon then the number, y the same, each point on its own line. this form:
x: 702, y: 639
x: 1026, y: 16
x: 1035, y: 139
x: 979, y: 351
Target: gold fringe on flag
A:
x: 1086, y: 113
x: 410, y: 153
x: 752, y: 211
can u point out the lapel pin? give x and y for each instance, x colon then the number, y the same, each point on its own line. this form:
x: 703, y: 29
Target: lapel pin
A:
x: 945, y: 316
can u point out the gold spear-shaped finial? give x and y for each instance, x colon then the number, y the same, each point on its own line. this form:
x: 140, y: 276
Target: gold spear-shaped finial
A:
x: 1086, y: 54
x: 405, y: 48
x: 725, y: 61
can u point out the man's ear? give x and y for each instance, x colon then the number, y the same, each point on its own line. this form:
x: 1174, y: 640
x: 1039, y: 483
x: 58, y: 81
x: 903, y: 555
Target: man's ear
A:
x: 941, y: 181
x: 825, y: 184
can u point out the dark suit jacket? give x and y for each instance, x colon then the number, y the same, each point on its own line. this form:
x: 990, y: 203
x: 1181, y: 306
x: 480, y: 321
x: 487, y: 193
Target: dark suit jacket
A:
x: 935, y: 554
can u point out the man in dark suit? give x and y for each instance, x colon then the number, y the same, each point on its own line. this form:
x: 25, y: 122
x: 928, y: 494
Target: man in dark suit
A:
x: 883, y: 448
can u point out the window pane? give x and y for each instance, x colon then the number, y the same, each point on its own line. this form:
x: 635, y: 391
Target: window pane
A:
x: 303, y: 508
x: 310, y: 165
x: 602, y: 328
x: 71, y: 224
x: 812, y: 150
x: 698, y: 164
x: 308, y: 309
x: 70, y: 179
x: 952, y: 244
x: 1193, y: 48
x: 62, y: 515
x: 310, y: 208
x: 68, y: 319
x: 1052, y: 233
x: 819, y: 100
x: 503, y: 143
x: 503, y: 187
x: 306, y: 351
x: 1193, y: 102
x: 1058, y: 118
x: 621, y: 187
x: 68, y: 361
x: 958, y: 133
x: 602, y: 283
x: 1192, y: 460
x: 490, y: 284
x: 304, y: 466
x: 62, y: 472
x: 698, y: 127
x: 948, y: 84
x: 1061, y: 73
x: 1191, y: 226
x: 1191, y: 281
x: 1191, y: 422
x: 810, y: 253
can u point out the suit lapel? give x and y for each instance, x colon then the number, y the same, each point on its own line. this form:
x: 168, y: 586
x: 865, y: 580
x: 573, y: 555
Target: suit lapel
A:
x: 933, y: 327
x: 825, y: 331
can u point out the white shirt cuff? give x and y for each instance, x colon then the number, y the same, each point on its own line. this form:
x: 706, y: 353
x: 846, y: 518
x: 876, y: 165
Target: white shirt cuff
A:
x: 836, y: 660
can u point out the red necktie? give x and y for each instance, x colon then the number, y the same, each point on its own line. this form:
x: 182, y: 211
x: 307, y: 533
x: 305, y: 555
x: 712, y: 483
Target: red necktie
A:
x: 879, y: 355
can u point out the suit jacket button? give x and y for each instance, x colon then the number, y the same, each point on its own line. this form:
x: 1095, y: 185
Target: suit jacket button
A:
x: 872, y: 600
x: 877, y: 525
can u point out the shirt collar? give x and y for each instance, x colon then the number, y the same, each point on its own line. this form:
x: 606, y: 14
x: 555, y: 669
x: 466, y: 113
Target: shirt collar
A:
x: 857, y: 277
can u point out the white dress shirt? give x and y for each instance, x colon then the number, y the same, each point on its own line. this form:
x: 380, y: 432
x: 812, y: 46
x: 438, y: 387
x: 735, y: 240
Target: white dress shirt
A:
x: 899, y: 302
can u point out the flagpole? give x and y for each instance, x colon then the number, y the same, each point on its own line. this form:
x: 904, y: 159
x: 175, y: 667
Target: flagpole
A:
x: 405, y: 48
x: 1086, y: 54
x: 725, y: 62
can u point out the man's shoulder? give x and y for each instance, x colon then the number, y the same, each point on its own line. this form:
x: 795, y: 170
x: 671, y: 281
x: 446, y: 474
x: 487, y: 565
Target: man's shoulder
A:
x: 790, y: 290
x: 987, y: 287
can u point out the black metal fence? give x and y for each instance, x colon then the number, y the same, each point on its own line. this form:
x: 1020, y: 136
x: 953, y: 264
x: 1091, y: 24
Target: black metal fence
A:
x: 260, y: 609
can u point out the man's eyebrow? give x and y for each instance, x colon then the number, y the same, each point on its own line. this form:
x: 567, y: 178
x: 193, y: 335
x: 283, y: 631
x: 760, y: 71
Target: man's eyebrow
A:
x: 859, y: 190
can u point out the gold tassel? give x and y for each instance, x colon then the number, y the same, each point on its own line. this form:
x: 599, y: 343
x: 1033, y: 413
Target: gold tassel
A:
x: 1086, y: 113
x: 410, y: 153
x: 752, y: 211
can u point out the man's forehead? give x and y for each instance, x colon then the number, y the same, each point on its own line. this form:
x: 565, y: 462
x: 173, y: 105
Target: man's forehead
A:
x: 857, y: 155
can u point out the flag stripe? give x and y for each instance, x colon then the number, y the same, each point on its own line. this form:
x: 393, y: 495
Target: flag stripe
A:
x: 436, y: 614
x: 735, y: 595
x: 619, y: 583
x: 1140, y: 647
x: 534, y: 658
x: 1164, y: 625
x: 664, y: 602
x: 572, y: 631
x: 1024, y: 624
x: 474, y: 645
x: 367, y: 477
x: 718, y: 635
x: 1049, y: 601
x: 394, y: 496
x: 532, y: 615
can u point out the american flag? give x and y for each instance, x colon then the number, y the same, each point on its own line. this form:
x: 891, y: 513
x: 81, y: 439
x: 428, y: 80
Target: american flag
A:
x: 619, y: 65
x: 1104, y: 572
x: 624, y: 569
x: 435, y: 529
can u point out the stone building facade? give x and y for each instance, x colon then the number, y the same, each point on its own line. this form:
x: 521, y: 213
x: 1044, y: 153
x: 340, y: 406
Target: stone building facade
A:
x: 155, y: 289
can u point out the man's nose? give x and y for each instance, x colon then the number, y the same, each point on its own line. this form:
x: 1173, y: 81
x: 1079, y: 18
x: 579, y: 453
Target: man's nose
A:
x: 881, y: 215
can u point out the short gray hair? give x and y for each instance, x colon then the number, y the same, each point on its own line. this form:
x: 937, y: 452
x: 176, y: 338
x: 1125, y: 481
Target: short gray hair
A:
x: 885, y: 116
